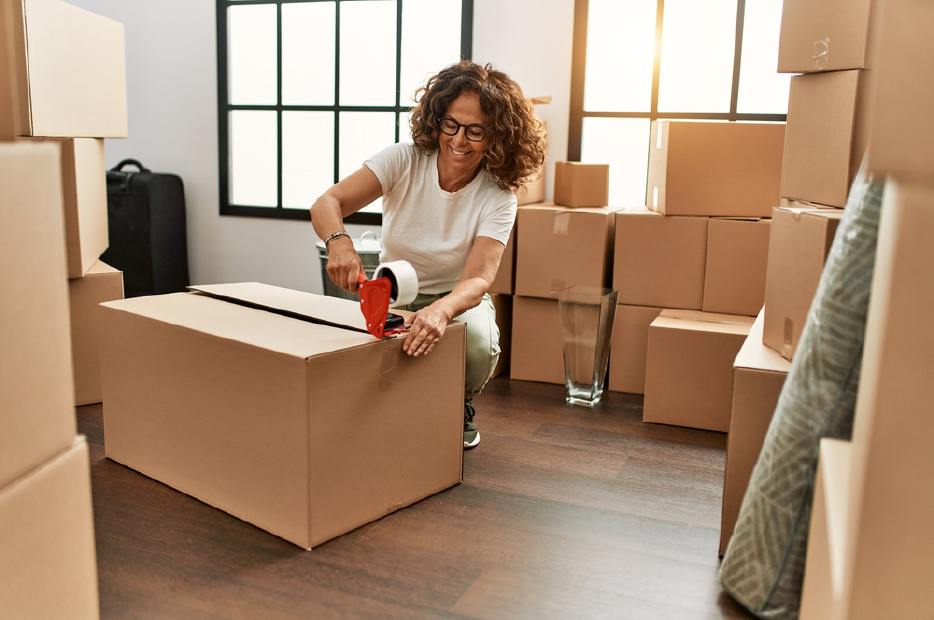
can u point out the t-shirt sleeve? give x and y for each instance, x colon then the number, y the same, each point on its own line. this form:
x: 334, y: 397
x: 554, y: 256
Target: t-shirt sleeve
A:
x: 389, y: 163
x: 498, y: 224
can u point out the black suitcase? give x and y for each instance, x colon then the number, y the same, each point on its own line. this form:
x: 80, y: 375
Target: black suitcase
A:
x: 146, y: 222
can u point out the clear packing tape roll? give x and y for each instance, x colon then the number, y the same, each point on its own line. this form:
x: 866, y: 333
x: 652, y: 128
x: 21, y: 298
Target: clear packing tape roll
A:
x: 402, y: 277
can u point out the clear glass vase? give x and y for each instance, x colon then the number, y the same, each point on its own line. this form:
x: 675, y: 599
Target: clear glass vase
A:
x: 587, y: 315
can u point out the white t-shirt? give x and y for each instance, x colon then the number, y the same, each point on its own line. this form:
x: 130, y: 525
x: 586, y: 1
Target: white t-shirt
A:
x: 430, y: 228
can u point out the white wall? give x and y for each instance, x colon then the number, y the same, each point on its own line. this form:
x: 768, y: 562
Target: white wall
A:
x: 171, y: 58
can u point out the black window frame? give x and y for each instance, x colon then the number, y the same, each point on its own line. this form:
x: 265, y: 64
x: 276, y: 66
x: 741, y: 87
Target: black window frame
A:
x: 224, y: 106
x: 578, y: 72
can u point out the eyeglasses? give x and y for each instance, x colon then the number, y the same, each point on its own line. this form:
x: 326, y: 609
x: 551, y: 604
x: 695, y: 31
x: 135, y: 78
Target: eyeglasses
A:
x: 474, y: 133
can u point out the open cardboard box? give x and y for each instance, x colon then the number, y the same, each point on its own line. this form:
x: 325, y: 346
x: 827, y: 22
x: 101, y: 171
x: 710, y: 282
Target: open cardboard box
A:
x: 277, y: 407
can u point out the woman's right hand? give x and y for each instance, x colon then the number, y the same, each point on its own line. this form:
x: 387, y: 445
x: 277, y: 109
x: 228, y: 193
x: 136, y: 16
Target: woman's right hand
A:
x: 344, y: 264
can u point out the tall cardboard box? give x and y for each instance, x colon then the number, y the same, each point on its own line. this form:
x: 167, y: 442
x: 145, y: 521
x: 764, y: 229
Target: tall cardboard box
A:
x: 799, y: 242
x: 582, y: 185
x: 101, y: 283
x: 737, y: 256
x: 658, y: 260
x: 710, y: 168
x: 689, y: 368
x: 48, y: 561
x: 84, y: 185
x: 37, y: 415
x: 902, y: 125
x: 558, y: 247
x: 70, y: 71
x: 537, y: 353
x: 629, y: 345
x: 829, y: 35
x: 758, y: 376
x: 253, y: 400
x: 824, y: 142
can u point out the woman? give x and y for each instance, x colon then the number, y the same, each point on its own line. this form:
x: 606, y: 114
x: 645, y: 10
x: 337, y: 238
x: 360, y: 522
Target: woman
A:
x: 448, y: 208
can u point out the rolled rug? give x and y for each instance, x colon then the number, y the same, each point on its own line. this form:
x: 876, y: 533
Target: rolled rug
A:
x: 763, y: 567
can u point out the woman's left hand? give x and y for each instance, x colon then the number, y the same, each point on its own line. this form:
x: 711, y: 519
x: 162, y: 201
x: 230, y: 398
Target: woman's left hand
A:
x: 427, y: 329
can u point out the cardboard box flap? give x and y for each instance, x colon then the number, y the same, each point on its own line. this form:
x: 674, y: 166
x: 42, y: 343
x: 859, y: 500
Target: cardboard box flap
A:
x: 755, y: 355
x: 703, y: 321
x: 332, y: 311
x: 236, y: 322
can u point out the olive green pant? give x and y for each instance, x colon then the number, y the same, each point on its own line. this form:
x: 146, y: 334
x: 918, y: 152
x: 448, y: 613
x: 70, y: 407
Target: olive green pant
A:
x: 482, y: 340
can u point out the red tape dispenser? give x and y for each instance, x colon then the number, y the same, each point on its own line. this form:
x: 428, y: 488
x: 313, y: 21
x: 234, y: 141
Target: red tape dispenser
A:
x: 393, y: 282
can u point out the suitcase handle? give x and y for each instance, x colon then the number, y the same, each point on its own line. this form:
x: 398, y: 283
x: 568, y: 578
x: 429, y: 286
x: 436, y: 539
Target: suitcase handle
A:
x: 129, y: 162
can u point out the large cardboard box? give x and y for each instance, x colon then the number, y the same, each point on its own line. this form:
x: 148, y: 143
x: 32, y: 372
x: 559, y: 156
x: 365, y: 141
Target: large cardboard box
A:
x: 101, y: 283
x: 689, y: 368
x: 503, y: 305
x: 758, y: 376
x: 659, y: 260
x: 829, y: 35
x: 70, y: 71
x: 558, y: 247
x: 902, y: 125
x: 825, y: 139
x: 628, y: 346
x: 537, y: 353
x: 710, y: 168
x: 737, y: 256
x: 799, y: 242
x: 37, y: 415
x: 48, y: 561
x: 582, y: 185
x: 889, y: 525
x: 504, y: 283
x: 274, y: 418
x: 84, y: 184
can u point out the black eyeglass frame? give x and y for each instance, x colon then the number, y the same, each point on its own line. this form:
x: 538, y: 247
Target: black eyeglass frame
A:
x: 467, y: 128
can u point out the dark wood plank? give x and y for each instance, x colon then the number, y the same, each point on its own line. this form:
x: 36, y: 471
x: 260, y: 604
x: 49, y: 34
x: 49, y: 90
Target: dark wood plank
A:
x: 564, y: 512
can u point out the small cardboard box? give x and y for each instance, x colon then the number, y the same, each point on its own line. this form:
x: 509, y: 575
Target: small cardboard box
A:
x: 689, y: 368
x: 902, y: 124
x: 706, y: 169
x: 557, y: 247
x: 628, y: 346
x: 37, y: 415
x: 830, y: 35
x: 504, y: 283
x: 253, y: 400
x: 582, y: 185
x: 84, y: 184
x: 70, y: 70
x: 503, y: 305
x: 537, y: 353
x: 659, y: 260
x: 824, y: 142
x: 737, y: 256
x: 799, y: 242
x: 101, y: 283
x: 48, y: 561
x: 758, y: 376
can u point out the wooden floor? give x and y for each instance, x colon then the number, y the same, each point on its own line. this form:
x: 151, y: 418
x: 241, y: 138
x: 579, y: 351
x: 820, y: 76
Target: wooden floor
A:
x: 565, y: 512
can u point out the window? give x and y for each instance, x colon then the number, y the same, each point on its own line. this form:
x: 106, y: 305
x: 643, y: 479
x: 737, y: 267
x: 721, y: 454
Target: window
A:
x: 309, y: 89
x: 636, y: 61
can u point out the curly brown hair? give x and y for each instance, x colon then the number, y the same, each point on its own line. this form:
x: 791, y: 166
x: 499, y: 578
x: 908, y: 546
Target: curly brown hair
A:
x: 516, y: 141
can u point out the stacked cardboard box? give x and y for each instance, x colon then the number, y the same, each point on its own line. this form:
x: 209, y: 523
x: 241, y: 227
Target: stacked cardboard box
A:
x: 62, y: 89
x: 690, y: 267
x: 870, y: 554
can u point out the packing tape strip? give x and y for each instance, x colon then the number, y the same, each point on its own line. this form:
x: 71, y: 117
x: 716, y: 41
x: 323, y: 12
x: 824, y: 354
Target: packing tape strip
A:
x: 403, y: 278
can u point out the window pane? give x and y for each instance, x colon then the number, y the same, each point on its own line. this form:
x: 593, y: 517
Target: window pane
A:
x: 623, y: 143
x: 620, y: 52
x: 251, y: 38
x: 363, y: 134
x: 698, y: 41
x: 431, y: 40
x: 307, y: 157
x: 308, y: 53
x: 368, y: 53
x: 253, y: 166
x: 761, y: 89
